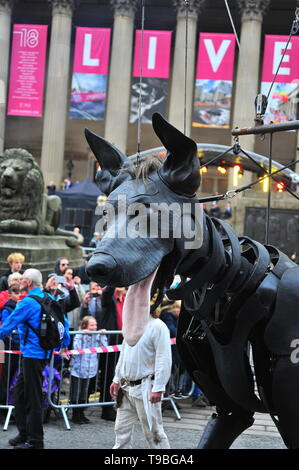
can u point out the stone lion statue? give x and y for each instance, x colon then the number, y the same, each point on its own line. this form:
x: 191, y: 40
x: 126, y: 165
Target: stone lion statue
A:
x: 24, y: 205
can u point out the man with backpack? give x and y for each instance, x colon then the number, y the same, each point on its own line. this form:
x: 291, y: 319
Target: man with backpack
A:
x: 42, y: 326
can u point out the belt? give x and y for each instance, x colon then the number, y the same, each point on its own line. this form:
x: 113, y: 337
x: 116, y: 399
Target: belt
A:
x: 132, y: 383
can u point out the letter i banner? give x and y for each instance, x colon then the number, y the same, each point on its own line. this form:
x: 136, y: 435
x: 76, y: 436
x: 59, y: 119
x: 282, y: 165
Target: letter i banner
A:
x: 282, y: 102
x: 155, y: 74
x: 27, y: 70
x: 90, y: 71
x: 214, y: 80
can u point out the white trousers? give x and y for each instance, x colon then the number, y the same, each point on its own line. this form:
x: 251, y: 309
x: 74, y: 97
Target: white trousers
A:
x: 130, y: 412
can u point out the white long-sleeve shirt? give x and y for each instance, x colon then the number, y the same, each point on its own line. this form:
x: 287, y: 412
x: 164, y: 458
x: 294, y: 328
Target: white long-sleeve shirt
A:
x: 151, y: 355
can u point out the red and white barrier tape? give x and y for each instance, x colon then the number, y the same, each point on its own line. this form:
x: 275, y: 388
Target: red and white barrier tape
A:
x: 75, y: 352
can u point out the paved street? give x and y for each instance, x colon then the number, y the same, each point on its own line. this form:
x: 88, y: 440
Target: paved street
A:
x: 183, y: 434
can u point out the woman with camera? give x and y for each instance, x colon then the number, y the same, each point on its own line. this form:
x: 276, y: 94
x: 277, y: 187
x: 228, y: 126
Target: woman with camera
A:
x: 91, y: 304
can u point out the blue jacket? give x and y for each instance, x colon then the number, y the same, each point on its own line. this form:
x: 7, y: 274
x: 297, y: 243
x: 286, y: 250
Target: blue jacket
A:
x: 28, y: 310
x: 8, y: 307
x: 6, y: 311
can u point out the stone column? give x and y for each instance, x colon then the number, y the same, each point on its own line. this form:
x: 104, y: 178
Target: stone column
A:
x: 177, y: 93
x: 120, y: 73
x: 248, y: 72
x: 5, y: 24
x: 56, y: 105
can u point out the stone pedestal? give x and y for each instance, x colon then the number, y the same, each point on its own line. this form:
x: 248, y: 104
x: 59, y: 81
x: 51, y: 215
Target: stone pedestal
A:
x: 40, y: 251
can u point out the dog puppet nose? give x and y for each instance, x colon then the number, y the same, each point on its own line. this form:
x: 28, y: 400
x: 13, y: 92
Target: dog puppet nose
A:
x: 100, y: 267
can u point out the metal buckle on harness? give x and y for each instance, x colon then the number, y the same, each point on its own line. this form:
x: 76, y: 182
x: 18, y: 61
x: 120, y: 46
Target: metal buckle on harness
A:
x: 230, y: 194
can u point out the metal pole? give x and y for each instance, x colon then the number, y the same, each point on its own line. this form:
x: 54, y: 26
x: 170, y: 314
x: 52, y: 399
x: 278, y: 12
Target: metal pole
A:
x: 268, y: 215
x: 266, y: 129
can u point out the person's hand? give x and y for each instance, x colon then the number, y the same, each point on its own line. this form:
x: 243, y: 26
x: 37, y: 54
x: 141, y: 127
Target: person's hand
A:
x: 86, y: 299
x: 77, y: 280
x: 63, y: 353
x: 70, y: 284
x: 103, y: 330
x: 114, y: 388
x: 51, y: 283
x: 155, y: 397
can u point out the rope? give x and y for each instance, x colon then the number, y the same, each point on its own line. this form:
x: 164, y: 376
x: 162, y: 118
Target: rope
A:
x: 221, y: 155
x: 140, y: 83
x: 232, y: 193
x: 282, y: 57
x: 266, y: 173
x: 232, y: 23
x: 294, y: 30
x: 186, y: 65
x: 269, y: 175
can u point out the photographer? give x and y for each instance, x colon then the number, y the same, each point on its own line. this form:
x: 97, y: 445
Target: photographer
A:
x: 73, y: 315
x: 67, y: 303
x: 92, y: 302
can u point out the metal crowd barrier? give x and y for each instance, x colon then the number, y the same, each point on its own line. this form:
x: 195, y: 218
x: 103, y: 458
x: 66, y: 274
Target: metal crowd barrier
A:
x: 11, y: 365
x: 94, y: 362
x: 69, y: 393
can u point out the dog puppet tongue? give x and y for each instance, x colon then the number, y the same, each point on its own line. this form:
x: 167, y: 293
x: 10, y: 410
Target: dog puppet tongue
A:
x: 136, y: 309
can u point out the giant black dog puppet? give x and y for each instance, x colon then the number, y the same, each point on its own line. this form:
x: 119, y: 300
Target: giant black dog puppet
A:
x: 240, y: 298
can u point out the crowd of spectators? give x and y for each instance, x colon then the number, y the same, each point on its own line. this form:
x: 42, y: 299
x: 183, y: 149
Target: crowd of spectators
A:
x: 88, y: 307
x: 220, y: 212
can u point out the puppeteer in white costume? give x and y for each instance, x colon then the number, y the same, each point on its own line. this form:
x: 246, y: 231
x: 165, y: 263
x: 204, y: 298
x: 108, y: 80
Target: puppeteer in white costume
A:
x: 141, y: 375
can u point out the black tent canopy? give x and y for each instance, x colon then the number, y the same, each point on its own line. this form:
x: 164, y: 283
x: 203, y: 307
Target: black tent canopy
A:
x: 78, y: 207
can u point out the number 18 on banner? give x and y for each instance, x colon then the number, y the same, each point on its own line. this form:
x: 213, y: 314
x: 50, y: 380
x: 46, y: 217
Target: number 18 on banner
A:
x: 27, y: 70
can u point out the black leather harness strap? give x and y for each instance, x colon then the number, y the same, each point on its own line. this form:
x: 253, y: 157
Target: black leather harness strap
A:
x: 215, y: 261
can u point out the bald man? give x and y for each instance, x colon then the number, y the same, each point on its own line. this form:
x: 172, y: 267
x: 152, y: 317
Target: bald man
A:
x: 28, y: 390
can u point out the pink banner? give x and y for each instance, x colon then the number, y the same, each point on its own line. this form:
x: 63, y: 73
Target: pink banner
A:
x: 155, y: 72
x: 282, y: 102
x: 89, y: 81
x: 216, y: 55
x: 289, y: 68
x: 92, y: 50
x: 156, y: 54
x: 27, y: 70
x: 214, y: 80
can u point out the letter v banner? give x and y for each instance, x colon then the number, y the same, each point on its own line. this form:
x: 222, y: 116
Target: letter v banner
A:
x: 282, y: 103
x: 90, y: 71
x: 214, y: 80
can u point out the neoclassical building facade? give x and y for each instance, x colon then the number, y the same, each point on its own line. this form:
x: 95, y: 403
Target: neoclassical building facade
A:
x: 55, y: 139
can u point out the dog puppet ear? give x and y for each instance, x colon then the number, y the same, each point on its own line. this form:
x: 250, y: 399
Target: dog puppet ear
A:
x: 111, y: 160
x: 180, y: 170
